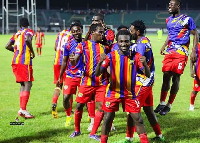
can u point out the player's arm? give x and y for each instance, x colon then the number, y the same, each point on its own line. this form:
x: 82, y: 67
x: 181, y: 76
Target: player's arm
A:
x: 28, y: 40
x: 193, y: 55
x: 74, y: 58
x: 99, y: 69
x: 163, y: 47
x: 192, y: 72
x: 146, y: 69
x: 9, y: 46
x: 44, y: 39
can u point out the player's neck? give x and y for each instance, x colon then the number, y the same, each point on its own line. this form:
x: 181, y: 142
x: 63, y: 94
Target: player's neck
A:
x: 176, y: 14
x: 139, y: 37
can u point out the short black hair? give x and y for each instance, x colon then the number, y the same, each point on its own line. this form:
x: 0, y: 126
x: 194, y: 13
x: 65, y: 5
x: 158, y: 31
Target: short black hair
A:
x: 78, y: 23
x: 179, y: 2
x: 121, y: 26
x: 94, y: 26
x: 139, y: 25
x: 122, y: 32
x: 100, y: 15
x: 24, y: 22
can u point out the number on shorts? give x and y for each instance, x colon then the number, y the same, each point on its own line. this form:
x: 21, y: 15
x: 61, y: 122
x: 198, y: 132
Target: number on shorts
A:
x: 180, y: 66
x: 137, y: 103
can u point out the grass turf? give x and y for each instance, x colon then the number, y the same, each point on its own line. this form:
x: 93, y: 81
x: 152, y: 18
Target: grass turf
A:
x: 180, y: 125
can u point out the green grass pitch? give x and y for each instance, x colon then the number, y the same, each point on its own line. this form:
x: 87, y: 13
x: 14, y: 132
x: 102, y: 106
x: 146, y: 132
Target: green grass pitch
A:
x: 179, y: 126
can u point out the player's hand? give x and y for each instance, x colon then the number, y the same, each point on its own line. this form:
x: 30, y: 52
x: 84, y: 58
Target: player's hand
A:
x: 102, y: 57
x: 58, y: 84
x: 71, y: 56
x: 143, y: 60
x: 192, y: 74
x: 193, y: 56
x: 162, y: 51
x: 32, y: 55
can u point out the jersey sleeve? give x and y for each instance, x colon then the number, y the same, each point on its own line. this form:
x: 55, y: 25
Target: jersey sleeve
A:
x: 106, y: 62
x: 12, y: 39
x: 191, y: 24
x: 141, y: 48
x: 66, y: 49
x: 30, y: 33
x: 138, y: 62
x: 79, y: 49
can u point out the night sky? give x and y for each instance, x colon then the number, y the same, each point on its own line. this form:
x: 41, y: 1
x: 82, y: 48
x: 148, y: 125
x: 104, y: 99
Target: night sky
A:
x: 112, y: 4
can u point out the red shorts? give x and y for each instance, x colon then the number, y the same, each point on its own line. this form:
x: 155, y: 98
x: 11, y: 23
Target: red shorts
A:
x: 85, y: 93
x: 57, y: 73
x: 70, y: 85
x: 38, y: 45
x: 22, y: 72
x: 196, y: 86
x: 111, y: 104
x: 145, y: 95
x: 174, y: 62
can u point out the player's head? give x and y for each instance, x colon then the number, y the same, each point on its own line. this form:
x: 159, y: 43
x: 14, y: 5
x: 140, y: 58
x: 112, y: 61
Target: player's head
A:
x: 76, y: 29
x: 174, y: 6
x: 24, y: 22
x: 98, y: 18
x: 38, y: 29
x: 122, y: 27
x: 76, y: 21
x: 137, y: 28
x: 97, y: 31
x: 123, y: 38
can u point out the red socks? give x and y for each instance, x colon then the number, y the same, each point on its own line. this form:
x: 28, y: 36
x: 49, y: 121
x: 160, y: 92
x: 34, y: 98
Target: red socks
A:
x: 97, y: 121
x: 163, y: 95
x: 171, y: 98
x: 20, y: 98
x: 55, y: 99
x: 78, y: 117
x: 91, y: 109
x: 40, y: 51
x: 25, y: 97
x: 104, y: 138
x: 143, y: 138
x: 68, y: 111
x: 130, y: 131
x: 156, y: 129
x: 192, y: 98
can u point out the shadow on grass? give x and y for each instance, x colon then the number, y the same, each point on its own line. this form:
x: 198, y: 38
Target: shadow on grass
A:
x: 40, y: 137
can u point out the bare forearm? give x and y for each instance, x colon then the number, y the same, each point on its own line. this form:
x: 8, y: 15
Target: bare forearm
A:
x: 87, y: 36
x: 146, y: 70
x: 62, y: 70
x: 9, y: 46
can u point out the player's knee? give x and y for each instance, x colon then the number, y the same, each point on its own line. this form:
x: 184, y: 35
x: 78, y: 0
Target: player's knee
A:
x: 79, y: 106
x: 138, y: 119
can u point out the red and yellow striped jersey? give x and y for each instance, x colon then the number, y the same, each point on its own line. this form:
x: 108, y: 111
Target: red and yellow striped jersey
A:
x: 197, y: 65
x: 39, y: 37
x: 22, y: 53
x: 91, y: 52
x: 62, y: 38
x: 123, y: 73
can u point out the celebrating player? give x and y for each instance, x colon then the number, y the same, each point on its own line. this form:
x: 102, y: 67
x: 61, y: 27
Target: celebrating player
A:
x: 22, y: 63
x: 195, y: 73
x: 73, y: 73
x: 39, y: 40
x: 179, y: 28
x: 62, y: 38
x: 90, y: 50
x: 123, y: 69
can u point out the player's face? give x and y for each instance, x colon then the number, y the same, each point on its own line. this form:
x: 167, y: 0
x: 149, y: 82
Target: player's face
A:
x: 98, y: 34
x: 133, y: 32
x: 96, y: 20
x: 76, y: 32
x: 124, y: 43
x: 173, y: 7
x: 38, y: 29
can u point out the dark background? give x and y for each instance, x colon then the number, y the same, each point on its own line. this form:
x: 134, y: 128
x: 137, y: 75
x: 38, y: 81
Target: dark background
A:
x: 112, y: 4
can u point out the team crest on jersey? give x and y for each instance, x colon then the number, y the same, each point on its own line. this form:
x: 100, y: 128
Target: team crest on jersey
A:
x: 65, y: 87
x: 196, y: 85
x: 132, y: 61
x: 78, y: 50
x: 103, y: 63
x: 80, y: 94
x: 107, y: 104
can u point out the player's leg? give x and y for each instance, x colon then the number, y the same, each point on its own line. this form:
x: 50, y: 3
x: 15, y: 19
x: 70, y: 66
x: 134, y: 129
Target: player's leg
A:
x: 164, y: 90
x: 37, y: 49
x: 91, y: 109
x: 78, y: 117
x: 192, y: 100
x: 99, y: 97
x: 173, y: 92
x: 40, y: 50
x: 57, y: 91
x: 108, y: 119
x: 67, y: 104
x: 138, y: 121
